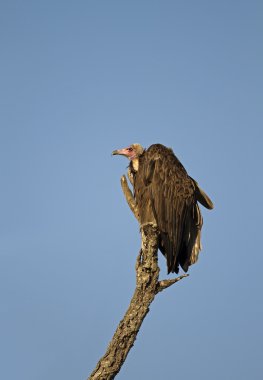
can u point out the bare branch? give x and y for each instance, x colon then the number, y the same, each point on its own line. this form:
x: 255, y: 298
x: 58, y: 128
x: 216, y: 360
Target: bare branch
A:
x: 147, y: 273
x: 163, y: 284
x: 129, y: 197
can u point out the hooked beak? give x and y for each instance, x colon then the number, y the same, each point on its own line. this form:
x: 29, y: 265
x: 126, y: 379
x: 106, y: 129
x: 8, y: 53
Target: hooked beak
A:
x: 122, y: 152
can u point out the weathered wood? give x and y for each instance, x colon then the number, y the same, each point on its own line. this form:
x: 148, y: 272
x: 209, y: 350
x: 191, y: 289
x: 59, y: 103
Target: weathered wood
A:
x: 147, y: 273
x: 129, y: 197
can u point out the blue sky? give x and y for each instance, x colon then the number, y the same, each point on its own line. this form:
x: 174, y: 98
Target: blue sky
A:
x: 79, y: 79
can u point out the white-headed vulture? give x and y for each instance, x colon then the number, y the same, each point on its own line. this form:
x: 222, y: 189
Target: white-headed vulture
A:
x: 167, y: 196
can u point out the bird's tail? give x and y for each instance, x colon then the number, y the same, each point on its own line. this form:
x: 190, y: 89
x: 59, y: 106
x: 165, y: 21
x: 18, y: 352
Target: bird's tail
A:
x: 192, y: 238
x: 190, y: 243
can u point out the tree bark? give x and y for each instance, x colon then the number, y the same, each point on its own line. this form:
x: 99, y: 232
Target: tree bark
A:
x: 147, y: 286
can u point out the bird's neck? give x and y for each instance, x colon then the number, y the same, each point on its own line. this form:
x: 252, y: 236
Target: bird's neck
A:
x: 135, y: 164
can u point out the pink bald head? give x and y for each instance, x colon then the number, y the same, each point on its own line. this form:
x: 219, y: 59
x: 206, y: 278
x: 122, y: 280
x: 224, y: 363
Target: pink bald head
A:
x: 131, y: 152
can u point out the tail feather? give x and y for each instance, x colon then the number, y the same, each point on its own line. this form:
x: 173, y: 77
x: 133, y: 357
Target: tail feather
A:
x: 187, y: 251
x: 192, y: 238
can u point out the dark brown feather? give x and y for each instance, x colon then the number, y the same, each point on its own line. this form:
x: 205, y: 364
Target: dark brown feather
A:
x: 167, y: 196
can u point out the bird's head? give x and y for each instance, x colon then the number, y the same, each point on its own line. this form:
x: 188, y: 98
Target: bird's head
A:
x: 131, y: 152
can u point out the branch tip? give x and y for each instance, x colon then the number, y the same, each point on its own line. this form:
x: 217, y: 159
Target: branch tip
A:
x: 129, y: 197
x: 164, y: 284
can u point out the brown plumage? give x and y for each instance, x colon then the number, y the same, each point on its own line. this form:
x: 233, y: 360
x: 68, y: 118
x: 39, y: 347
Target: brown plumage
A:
x: 167, y: 196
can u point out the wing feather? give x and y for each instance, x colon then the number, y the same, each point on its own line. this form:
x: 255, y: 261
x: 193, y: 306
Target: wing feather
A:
x: 166, y: 195
x: 164, y: 183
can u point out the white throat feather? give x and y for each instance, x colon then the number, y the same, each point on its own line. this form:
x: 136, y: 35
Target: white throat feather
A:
x: 135, y: 164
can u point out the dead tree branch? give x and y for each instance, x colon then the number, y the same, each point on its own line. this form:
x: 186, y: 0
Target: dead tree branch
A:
x: 147, y: 286
x: 129, y: 197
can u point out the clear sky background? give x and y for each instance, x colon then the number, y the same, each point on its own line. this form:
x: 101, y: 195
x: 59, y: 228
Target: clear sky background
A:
x: 79, y: 79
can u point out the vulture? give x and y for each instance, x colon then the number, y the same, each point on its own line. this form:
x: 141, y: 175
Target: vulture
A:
x: 167, y: 196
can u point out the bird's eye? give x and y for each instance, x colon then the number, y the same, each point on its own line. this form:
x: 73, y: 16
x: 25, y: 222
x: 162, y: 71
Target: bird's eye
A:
x: 130, y: 149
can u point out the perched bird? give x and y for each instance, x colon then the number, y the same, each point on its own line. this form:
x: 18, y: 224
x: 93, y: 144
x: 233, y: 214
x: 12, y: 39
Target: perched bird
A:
x: 167, y: 196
